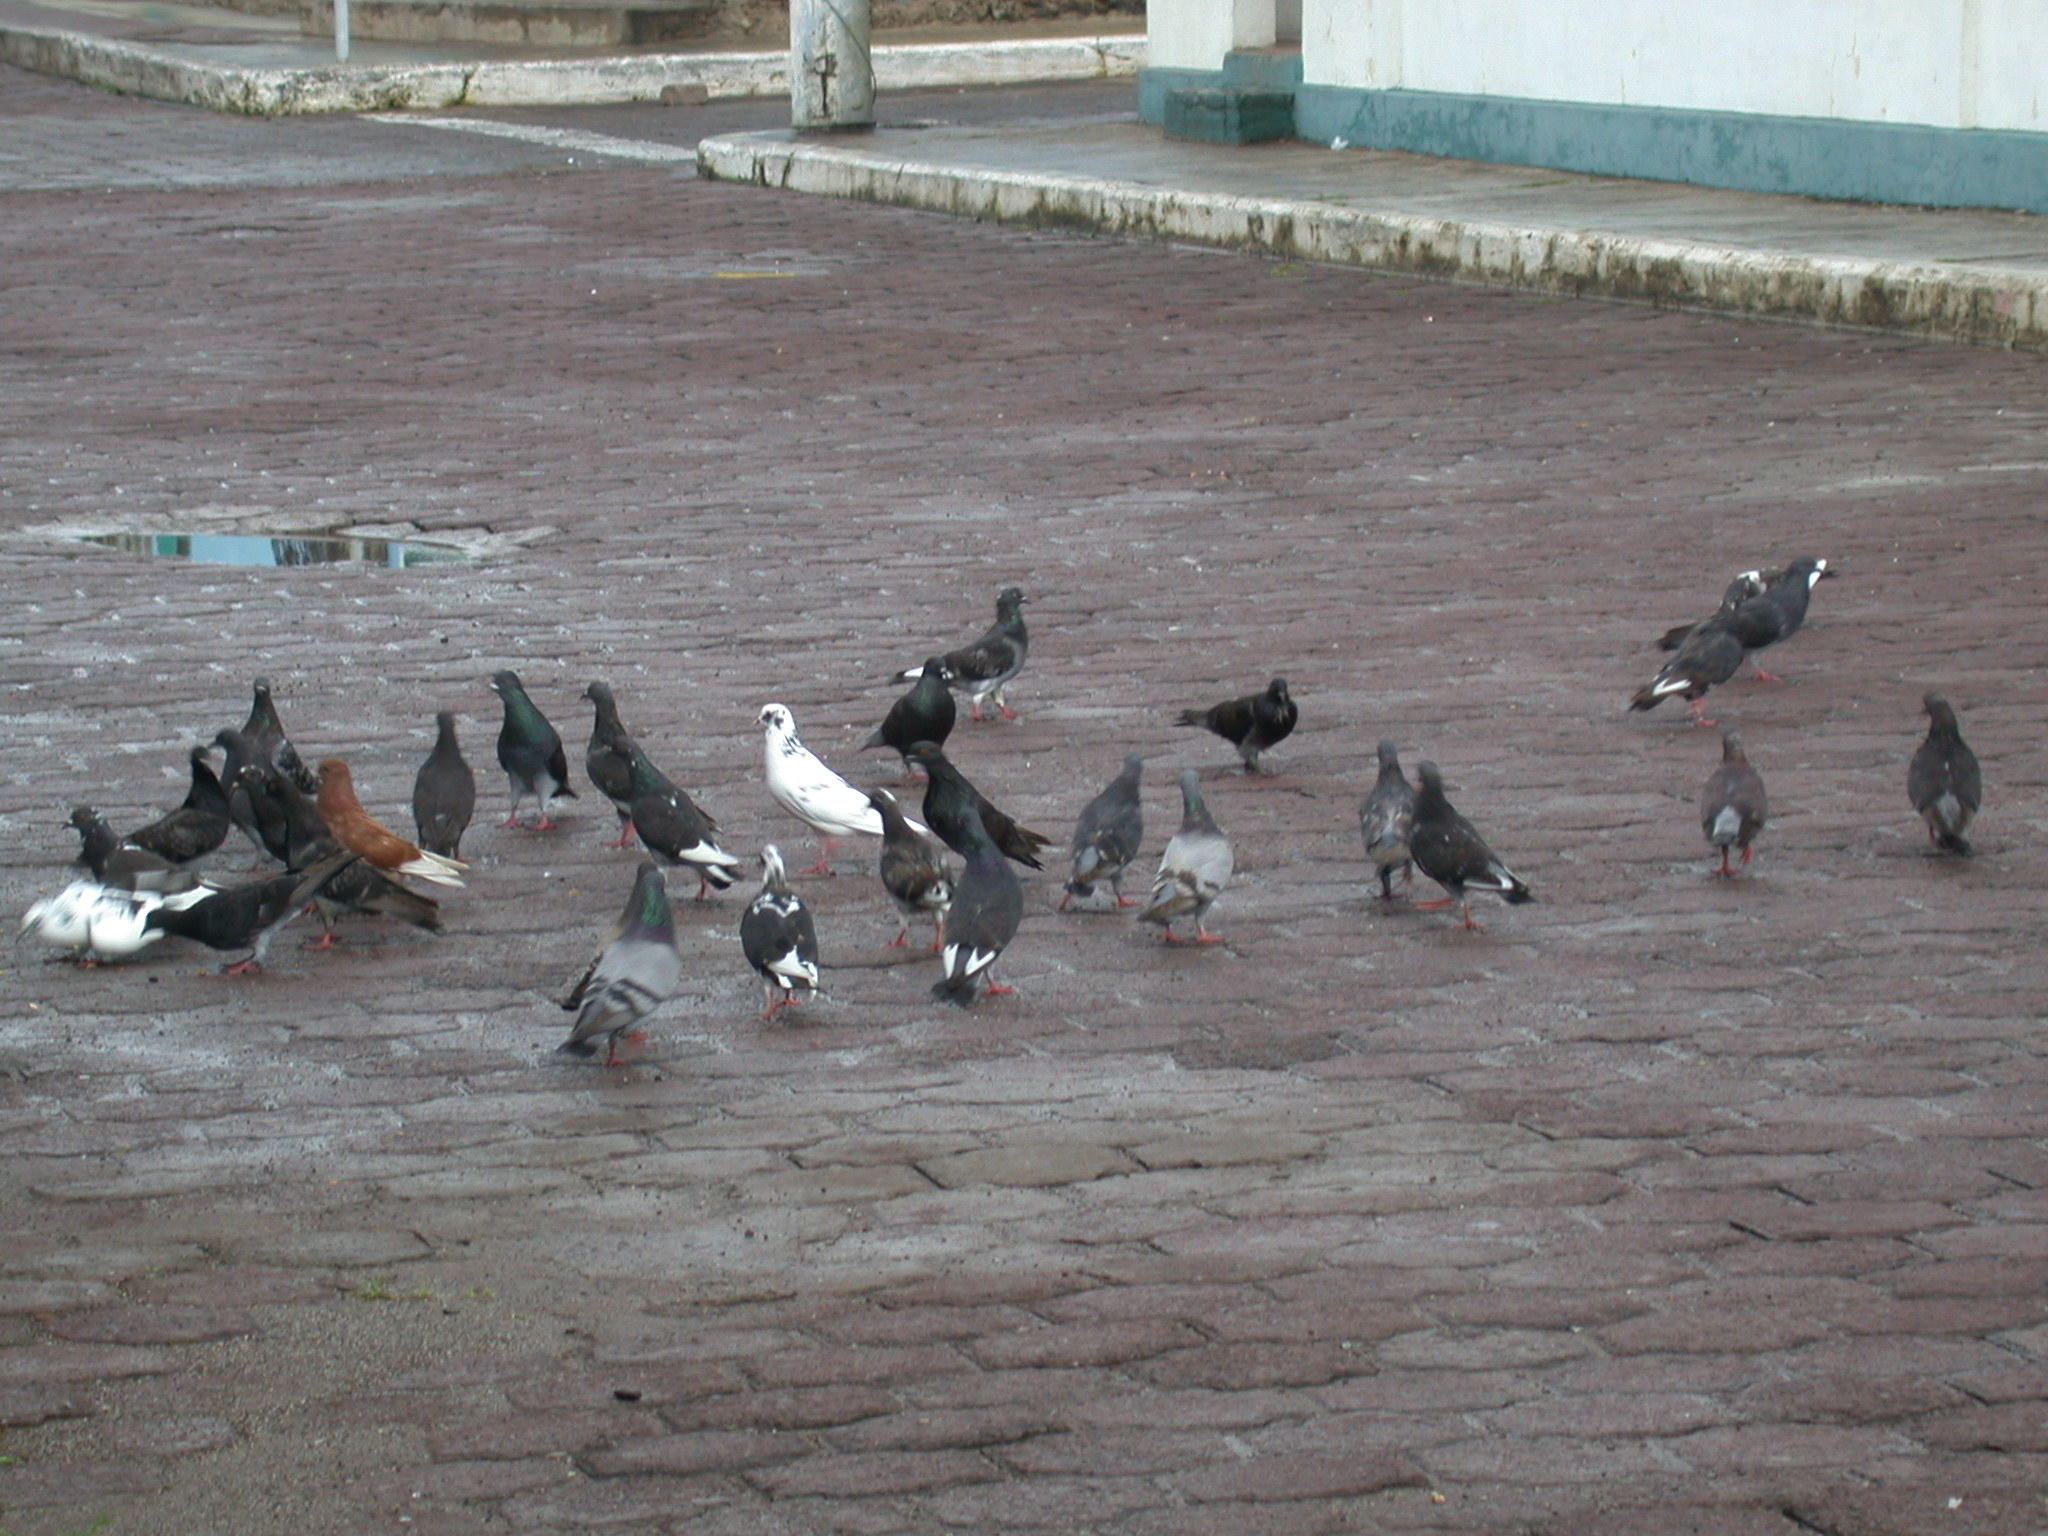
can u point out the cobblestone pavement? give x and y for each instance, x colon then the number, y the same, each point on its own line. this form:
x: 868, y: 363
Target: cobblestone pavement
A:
x: 1663, y: 1205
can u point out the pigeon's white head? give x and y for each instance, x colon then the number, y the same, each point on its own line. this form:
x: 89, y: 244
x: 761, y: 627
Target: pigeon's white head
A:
x: 778, y: 720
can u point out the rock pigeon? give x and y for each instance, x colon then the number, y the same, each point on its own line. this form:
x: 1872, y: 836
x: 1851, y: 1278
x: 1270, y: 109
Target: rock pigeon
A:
x: 634, y: 973
x: 267, y: 742
x: 247, y: 916
x: 926, y: 713
x: 1194, y: 869
x: 984, y: 668
x: 196, y: 827
x: 1107, y: 837
x: 802, y: 785
x: 443, y: 793
x: 360, y: 833
x: 1251, y: 724
x: 1710, y: 654
x: 951, y: 802
x: 122, y: 865
x: 914, y: 871
x: 530, y: 752
x: 1944, y: 779
x: 1386, y: 818
x: 1732, y: 806
x: 778, y: 937
x: 237, y: 755
x: 988, y: 904
x: 608, y: 761
x: 1447, y: 848
x: 671, y: 826
x: 360, y: 888
x: 1777, y: 612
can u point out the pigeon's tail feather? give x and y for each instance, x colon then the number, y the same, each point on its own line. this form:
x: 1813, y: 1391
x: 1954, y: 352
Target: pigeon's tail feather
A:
x: 1199, y: 717
x: 716, y: 875
x: 874, y: 740
x: 576, y: 1048
x: 957, y: 990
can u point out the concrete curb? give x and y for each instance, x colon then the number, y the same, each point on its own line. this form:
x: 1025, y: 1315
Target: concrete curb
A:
x: 1974, y: 303
x: 137, y: 70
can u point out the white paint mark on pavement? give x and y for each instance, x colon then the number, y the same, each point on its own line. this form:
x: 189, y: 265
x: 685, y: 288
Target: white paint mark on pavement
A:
x: 554, y: 138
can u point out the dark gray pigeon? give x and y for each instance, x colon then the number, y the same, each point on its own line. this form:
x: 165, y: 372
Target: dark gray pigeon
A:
x: 1386, y: 819
x: 634, y: 973
x: 1732, y: 806
x: 913, y: 870
x: 530, y: 752
x: 671, y: 825
x: 951, y: 802
x: 1710, y: 653
x: 1107, y: 837
x: 988, y: 904
x: 984, y: 668
x: 926, y: 713
x: 443, y: 793
x: 196, y: 827
x: 1252, y: 723
x: 267, y: 742
x: 248, y: 916
x: 609, y: 759
x: 121, y: 865
x: 1944, y: 780
x: 1448, y: 848
x: 778, y: 937
x: 1194, y: 869
x: 1777, y: 612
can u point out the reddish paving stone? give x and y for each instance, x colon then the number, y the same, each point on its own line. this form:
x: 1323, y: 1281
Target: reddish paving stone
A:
x: 687, y: 1455
x: 155, y: 1325
x: 871, y: 1473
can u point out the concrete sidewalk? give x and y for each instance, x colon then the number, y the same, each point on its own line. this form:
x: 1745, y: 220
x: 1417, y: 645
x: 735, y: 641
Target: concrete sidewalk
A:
x: 234, y: 61
x: 1961, y: 274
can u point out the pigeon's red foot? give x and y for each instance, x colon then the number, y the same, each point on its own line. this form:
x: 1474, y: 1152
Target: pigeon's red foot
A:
x: 1008, y: 713
x: 819, y: 868
x: 1436, y: 905
x: 544, y: 825
x: 1762, y: 676
x: 1204, y: 936
x: 901, y: 941
x: 326, y: 940
x: 510, y: 823
x: 248, y: 967
x: 997, y: 989
x: 625, y: 837
x: 1128, y: 901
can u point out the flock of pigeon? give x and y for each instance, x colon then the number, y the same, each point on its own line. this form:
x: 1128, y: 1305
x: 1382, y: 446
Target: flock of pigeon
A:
x: 338, y: 859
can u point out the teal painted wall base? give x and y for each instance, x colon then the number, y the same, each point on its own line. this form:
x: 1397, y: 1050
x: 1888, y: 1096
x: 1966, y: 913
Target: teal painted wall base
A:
x: 1153, y: 84
x: 1814, y: 156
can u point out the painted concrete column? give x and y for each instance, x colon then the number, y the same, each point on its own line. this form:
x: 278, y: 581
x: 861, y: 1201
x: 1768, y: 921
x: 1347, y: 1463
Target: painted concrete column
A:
x: 831, y: 75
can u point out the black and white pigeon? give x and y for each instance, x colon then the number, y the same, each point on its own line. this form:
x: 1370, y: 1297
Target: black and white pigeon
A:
x: 1447, y: 848
x: 1732, y: 806
x: 913, y: 870
x: 672, y: 826
x: 1386, y: 820
x: 443, y: 793
x: 988, y: 904
x: 1252, y: 723
x: 1708, y: 656
x: 530, y: 752
x: 609, y: 759
x: 803, y: 784
x: 267, y: 742
x: 982, y: 670
x: 1107, y: 837
x: 1777, y: 612
x: 198, y: 826
x: 1944, y: 780
x: 778, y: 937
x: 632, y: 976
x: 951, y: 802
x: 96, y: 922
x: 122, y: 865
x: 1194, y: 869
x: 926, y: 713
x: 248, y: 916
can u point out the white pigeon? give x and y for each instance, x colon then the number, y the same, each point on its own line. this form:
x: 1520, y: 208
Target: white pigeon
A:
x: 802, y: 785
x: 101, y: 921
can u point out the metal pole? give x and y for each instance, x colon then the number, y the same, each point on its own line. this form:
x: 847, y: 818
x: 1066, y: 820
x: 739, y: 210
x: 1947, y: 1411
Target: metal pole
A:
x: 341, y: 31
x: 831, y: 77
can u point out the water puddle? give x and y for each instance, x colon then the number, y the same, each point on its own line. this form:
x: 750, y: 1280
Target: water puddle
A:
x: 252, y: 549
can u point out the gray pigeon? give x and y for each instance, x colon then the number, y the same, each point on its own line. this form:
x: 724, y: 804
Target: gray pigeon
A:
x: 988, y: 904
x: 983, y: 669
x: 443, y: 793
x: 778, y: 937
x: 609, y: 759
x: 530, y: 752
x: 1944, y: 780
x: 1732, y: 806
x: 632, y: 975
x: 1108, y: 836
x: 1449, y: 850
x: 1386, y: 817
x: 913, y: 870
x: 264, y: 733
x: 1193, y: 870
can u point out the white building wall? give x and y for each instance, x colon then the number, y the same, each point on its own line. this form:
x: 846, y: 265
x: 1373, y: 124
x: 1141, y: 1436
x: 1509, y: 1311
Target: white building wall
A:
x: 1196, y: 34
x: 1947, y: 63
